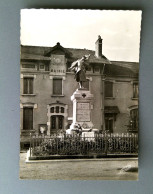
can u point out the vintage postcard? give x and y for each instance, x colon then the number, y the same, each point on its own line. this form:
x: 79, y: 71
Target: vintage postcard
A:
x: 79, y: 80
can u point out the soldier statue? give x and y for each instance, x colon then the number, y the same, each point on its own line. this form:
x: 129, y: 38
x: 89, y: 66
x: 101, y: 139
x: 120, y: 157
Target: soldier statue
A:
x: 80, y: 67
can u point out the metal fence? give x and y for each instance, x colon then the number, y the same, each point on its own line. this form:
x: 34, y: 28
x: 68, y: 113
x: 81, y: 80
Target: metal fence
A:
x: 79, y: 145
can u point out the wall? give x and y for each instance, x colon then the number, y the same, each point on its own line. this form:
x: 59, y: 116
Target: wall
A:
x: 43, y: 97
x: 123, y: 93
x: 122, y: 97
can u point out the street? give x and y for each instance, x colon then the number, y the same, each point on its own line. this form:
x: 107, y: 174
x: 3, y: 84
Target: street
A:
x: 97, y: 169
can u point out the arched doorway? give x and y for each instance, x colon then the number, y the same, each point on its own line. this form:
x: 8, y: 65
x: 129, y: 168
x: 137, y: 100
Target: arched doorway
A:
x: 57, y: 118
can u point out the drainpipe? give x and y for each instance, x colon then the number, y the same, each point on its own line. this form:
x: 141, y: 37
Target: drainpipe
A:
x: 103, y: 97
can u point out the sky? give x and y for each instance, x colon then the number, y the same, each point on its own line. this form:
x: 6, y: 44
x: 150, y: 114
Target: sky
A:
x: 120, y: 30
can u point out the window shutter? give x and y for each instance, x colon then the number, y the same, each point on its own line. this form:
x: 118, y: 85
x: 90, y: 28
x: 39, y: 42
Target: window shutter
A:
x: 31, y: 86
x: 28, y: 118
x: 108, y: 89
x: 25, y: 86
x: 57, y: 86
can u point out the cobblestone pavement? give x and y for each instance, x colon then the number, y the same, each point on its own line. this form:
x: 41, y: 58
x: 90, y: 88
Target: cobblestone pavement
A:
x: 98, y: 169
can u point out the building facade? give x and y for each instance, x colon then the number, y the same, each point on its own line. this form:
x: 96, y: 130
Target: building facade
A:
x: 46, y: 87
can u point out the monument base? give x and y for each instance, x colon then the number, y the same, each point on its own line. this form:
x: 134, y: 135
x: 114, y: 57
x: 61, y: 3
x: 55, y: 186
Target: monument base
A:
x: 82, y: 111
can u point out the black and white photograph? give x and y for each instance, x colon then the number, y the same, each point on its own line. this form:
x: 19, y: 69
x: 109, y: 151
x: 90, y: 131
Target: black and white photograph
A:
x: 79, y: 92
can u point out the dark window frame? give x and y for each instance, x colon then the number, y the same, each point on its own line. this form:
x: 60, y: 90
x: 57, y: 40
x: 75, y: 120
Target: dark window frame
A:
x: 57, y: 122
x: 28, y: 85
x: 28, y: 118
x: 134, y: 117
x: 96, y: 69
x: 108, y: 89
x: 28, y: 66
x: 135, y: 90
x: 109, y: 122
x: 40, y: 67
x: 55, y: 88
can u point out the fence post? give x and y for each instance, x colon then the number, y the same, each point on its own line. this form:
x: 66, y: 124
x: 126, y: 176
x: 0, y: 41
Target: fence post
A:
x: 106, y: 146
x: 30, y: 144
x: 57, y: 144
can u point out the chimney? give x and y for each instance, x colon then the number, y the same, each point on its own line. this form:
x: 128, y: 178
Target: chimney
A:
x: 98, y: 47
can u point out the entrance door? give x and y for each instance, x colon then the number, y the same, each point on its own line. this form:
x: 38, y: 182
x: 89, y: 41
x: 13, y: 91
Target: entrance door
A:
x: 56, y: 122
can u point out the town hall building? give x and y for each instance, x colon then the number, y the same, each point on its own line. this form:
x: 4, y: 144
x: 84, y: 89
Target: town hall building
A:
x: 47, y: 84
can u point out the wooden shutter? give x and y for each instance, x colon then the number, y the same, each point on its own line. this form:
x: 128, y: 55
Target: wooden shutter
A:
x: 57, y: 86
x: 25, y: 86
x: 30, y: 85
x: 28, y: 118
x: 108, y: 89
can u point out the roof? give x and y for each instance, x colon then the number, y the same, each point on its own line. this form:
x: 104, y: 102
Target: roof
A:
x: 133, y: 66
x: 58, y: 47
x: 37, y: 52
x: 120, y: 69
x: 34, y: 57
x: 113, y: 68
x: 78, y: 53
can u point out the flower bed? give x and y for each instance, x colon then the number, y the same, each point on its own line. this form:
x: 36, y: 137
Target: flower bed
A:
x: 76, y: 145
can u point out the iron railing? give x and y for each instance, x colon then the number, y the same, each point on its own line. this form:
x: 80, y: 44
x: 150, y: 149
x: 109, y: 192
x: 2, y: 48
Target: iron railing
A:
x: 77, y: 144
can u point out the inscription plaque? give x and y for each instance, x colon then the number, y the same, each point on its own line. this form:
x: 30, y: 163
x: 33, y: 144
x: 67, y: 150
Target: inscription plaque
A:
x: 83, y: 112
x: 83, y: 105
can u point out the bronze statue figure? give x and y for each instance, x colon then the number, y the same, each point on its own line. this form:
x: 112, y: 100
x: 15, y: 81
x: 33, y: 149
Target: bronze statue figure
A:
x: 79, y: 67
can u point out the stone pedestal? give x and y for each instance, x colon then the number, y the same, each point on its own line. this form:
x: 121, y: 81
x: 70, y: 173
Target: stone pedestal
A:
x: 82, y: 110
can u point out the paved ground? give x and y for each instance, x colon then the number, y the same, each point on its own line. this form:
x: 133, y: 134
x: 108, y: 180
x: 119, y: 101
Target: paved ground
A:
x: 98, y: 169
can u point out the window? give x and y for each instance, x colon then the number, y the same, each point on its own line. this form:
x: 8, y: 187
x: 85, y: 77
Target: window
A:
x: 89, y: 68
x: 28, y: 118
x: 57, y: 86
x: 57, y: 122
x: 62, y: 110
x: 108, y: 89
x: 28, y: 85
x: 53, y: 122
x: 134, y: 120
x: 135, y: 90
x: 52, y: 110
x: 96, y: 69
x: 86, y: 84
x: 109, y: 122
x: 46, y: 67
x: 57, y: 109
x: 42, y: 67
x: 30, y: 66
